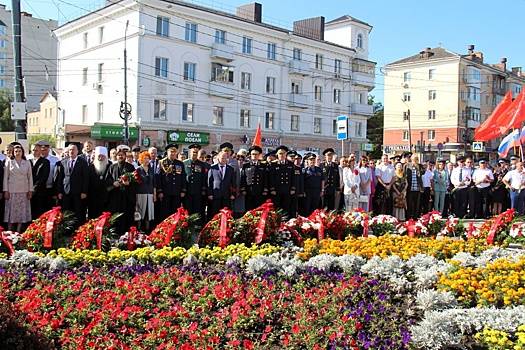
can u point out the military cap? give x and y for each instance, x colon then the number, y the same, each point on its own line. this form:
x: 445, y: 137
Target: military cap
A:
x: 196, y: 146
x: 255, y: 148
x: 284, y: 148
x: 172, y: 145
x: 328, y: 150
x: 226, y: 146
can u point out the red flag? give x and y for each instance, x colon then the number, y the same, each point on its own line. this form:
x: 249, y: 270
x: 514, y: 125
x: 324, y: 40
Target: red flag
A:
x: 257, y: 140
x: 487, y: 131
x: 514, y: 115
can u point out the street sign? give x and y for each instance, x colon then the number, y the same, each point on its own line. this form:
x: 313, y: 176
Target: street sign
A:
x: 18, y: 110
x: 368, y: 147
x: 342, y: 127
x: 477, y: 146
x: 440, y: 146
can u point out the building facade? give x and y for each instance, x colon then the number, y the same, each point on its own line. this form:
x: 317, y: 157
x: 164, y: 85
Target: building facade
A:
x: 39, y: 55
x: 200, y: 75
x: 44, y: 120
x: 441, y: 97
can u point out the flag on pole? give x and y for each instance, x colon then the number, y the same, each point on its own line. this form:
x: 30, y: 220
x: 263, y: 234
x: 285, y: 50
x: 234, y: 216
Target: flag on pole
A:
x: 514, y: 115
x: 489, y: 129
x: 257, y: 140
x: 509, y: 141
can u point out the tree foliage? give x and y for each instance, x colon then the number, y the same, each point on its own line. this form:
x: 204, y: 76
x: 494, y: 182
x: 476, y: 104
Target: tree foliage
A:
x: 32, y: 139
x: 6, y: 124
x: 375, y: 127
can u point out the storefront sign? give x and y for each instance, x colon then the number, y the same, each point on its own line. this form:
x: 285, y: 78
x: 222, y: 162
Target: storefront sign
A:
x: 271, y: 141
x: 112, y: 132
x: 146, y: 141
x: 368, y: 147
x: 187, y: 137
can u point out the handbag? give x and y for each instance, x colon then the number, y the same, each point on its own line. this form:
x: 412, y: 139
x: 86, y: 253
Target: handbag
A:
x: 363, y: 199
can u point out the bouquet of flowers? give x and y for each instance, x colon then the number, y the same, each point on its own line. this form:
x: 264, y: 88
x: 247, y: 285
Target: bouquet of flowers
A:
x: 176, y: 229
x: 383, y: 224
x: 219, y: 230
x: 49, y: 231
x: 8, y: 241
x: 433, y: 222
x: 133, y: 239
x: 357, y: 220
x: 257, y: 225
x: 454, y: 228
x: 301, y: 226
x: 94, y: 233
x: 131, y: 178
x: 496, y: 230
x: 412, y: 228
x: 516, y: 233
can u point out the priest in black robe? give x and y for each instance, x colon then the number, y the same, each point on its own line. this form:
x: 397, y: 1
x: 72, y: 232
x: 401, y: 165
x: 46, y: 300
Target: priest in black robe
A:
x: 100, y: 183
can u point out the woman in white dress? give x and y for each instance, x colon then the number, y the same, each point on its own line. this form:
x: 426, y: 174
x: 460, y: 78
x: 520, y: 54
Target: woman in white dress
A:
x: 365, y: 187
x: 351, y: 181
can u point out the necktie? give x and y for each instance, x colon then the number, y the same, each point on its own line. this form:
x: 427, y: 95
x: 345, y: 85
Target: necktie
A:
x: 460, y: 174
x: 222, y: 171
x: 71, y: 165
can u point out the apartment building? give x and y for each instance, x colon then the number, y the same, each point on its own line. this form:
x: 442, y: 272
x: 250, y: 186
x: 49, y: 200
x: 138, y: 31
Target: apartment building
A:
x: 196, y: 74
x: 441, y: 97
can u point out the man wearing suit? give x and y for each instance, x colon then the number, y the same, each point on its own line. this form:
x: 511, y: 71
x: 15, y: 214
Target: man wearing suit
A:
x: 282, y: 180
x: 332, y: 182
x: 41, y: 169
x: 197, y: 182
x: 72, y: 182
x: 171, y: 184
x: 413, y: 175
x: 88, y: 152
x: 221, y: 184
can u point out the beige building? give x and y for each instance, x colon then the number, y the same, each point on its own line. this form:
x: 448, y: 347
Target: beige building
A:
x: 441, y: 97
x: 44, y: 120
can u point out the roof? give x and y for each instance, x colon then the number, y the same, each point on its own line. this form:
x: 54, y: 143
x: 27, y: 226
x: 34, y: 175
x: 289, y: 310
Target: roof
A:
x: 347, y: 18
x: 53, y: 94
x: 219, y: 13
x: 438, y: 53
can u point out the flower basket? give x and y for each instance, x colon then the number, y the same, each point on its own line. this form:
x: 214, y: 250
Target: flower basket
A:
x: 383, y: 224
x: 454, y: 227
x: 219, y: 230
x: 133, y: 239
x: 412, y: 228
x: 49, y: 231
x: 258, y: 225
x: 433, y: 221
x: 298, y: 230
x: 8, y: 241
x: 176, y: 230
x: 96, y: 233
x: 358, y: 222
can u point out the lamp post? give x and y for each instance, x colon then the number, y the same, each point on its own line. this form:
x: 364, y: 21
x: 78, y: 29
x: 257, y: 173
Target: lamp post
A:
x: 125, y: 108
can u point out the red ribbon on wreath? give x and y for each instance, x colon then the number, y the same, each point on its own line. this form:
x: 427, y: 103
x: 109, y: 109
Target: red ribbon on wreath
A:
x: 225, y: 215
x: 173, y: 226
x: 411, y: 228
x: 53, y: 215
x: 131, y: 237
x: 7, y: 242
x: 470, y: 230
x: 266, y: 207
x: 99, y: 227
x: 494, y: 228
x: 365, y: 226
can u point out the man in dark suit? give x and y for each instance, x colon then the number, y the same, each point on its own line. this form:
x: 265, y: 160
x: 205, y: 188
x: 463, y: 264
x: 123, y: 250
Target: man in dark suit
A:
x: 197, y: 182
x: 221, y: 184
x: 72, y: 183
x: 282, y: 180
x: 88, y: 152
x: 171, y: 184
x: 254, y: 179
x: 41, y: 168
x: 413, y: 175
x: 330, y: 171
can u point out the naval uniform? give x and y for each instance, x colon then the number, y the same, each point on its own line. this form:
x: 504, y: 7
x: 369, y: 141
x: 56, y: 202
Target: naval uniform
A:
x: 282, y: 183
x: 313, y: 182
x: 254, y: 183
x: 172, y: 183
x: 298, y: 197
x: 196, y: 186
x: 331, y: 185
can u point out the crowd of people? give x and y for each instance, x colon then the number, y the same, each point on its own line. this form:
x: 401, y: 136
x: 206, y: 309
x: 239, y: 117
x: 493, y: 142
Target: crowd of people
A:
x: 146, y: 188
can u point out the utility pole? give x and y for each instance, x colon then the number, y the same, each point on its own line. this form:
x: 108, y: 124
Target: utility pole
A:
x: 20, y: 126
x: 125, y: 108
x: 409, y: 126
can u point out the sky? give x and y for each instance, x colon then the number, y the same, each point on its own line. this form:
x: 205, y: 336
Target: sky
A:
x: 401, y: 28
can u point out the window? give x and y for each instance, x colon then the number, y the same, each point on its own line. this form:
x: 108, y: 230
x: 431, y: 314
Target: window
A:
x: 159, y: 109
x: 406, y: 116
x: 337, y: 66
x: 318, y: 93
x: 161, y: 67
x: 191, y: 32
x: 431, y: 94
x: 100, y: 111
x: 431, y: 73
x: 431, y: 135
x: 187, y: 112
x: 432, y: 114
x: 334, y: 126
x: 473, y: 114
x: 84, y: 76
x: 405, y: 135
x: 296, y: 87
x: 84, y: 114
x: 221, y: 73
x: 360, y: 41
x: 337, y: 96
x: 294, y: 123
x: 3, y: 29
x: 100, y: 71
x: 270, y: 85
x: 246, y: 81
x: 271, y: 51
x: 360, y: 98
x: 358, y: 129
x: 406, y: 97
x: 220, y: 36
x: 100, y: 35
x: 163, y: 26
x: 2, y: 83
x: 317, y: 125
x: 247, y: 45
x: 245, y: 118
x: 268, y: 120
x: 189, y: 71
x: 45, y: 113
x: 406, y: 77
x: 85, y: 40
x: 3, y: 55
x: 473, y: 93
x: 297, y: 54
x: 2, y: 43
x: 319, y: 61
x: 218, y: 114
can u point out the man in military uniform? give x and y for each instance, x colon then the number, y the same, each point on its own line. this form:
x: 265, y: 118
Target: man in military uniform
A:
x: 254, y: 179
x: 314, y: 183
x: 171, y: 187
x: 197, y: 179
x: 331, y: 176
x: 282, y: 180
x: 227, y: 148
x: 296, y: 158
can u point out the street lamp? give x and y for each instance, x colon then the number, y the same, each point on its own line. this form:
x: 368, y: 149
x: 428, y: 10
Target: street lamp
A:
x: 409, y: 126
x: 125, y: 108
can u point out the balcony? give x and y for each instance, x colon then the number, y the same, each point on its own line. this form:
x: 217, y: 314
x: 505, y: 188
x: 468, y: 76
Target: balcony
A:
x: 472, y: 124
x: 299, y: 67
x: 362, y: 109
x: 364, y: 79
x: 298, y: 100
x: 222, y: 51
x: 221, y: 89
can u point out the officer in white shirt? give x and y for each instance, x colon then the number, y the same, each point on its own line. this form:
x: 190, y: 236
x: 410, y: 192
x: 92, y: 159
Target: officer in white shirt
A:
x: 427, y: 179
x: 514, y: 180
x: 461, y: 177
x: 384, y: 174
x: 482, y: 178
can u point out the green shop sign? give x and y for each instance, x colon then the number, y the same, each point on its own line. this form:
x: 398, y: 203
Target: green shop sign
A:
x: 189, y: 137
x: 112, y: 132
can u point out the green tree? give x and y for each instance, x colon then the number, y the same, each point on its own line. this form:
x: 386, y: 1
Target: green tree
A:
x: 374, y: 128
x: 6, y: 124
x: 32, y: 139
